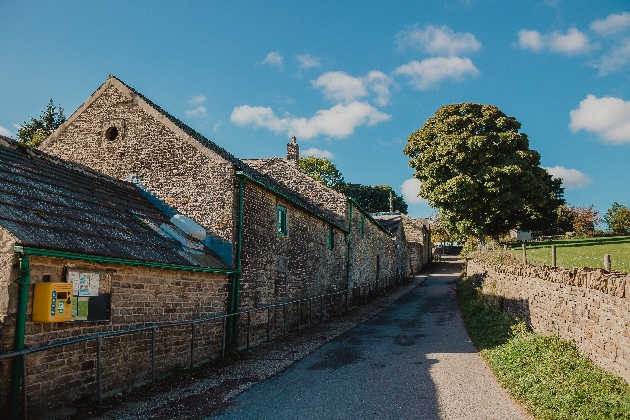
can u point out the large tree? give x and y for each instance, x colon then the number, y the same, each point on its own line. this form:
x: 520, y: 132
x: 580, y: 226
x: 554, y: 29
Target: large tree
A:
x: 33, y: 133
x: 477, y: 168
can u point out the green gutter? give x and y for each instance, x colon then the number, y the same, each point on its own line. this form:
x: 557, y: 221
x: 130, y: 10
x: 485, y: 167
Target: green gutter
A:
x: 292, y: 200
x: 24, y: 250
x: 20, y: 327
x: 348, y: 248
x: 236, y: 279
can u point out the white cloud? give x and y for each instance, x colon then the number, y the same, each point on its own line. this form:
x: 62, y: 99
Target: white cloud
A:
x: 573, y: 42
x: 217, y: 125
x: 379, y: 83
x: 410, y: 189
x: 615, y: 60
x: 430, y: 72
x: 198, y: 112
x: 197, y: 100
x: 438, y: 40
x: 338, y: 122
x: 530, y: 40
x: 273, y: 59
x: 612, y: 25
x: 307, y: 61
x: 317, y: 153
x: 572, y: 179
x: 5, y: 132
x: 608, y: 117
x: 339, y: 86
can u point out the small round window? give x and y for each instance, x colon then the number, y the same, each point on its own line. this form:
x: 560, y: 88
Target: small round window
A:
x: 111, y: 133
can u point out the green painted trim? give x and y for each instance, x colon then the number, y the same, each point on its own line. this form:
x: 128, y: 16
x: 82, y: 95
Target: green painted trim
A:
x: 20, y: 330
x: 235, y: 289
x: 369, y: 216
x: 291, y: 200
x: 348, y: 247
x: 24, y: 250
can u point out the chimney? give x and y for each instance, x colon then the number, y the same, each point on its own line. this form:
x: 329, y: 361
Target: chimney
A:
x: 293, y: 151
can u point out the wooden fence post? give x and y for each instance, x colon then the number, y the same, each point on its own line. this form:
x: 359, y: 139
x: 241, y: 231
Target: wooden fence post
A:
x: 607, y: 262
x: 553, y: 255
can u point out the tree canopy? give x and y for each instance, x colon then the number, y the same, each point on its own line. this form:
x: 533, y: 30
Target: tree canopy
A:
x: 618, y: 218
x: 475, y: 166
x: 585, y: 219
x: 373, y: 198
x: 33, y: 133
x: 322, y: 170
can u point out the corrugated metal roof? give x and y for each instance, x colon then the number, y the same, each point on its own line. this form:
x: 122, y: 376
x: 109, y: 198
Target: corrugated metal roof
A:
x: 50, y: 203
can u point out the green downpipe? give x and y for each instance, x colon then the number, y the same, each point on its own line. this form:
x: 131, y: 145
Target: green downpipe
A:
x: 236, y: 279
x: 348, y: 248
x: 20, y: 330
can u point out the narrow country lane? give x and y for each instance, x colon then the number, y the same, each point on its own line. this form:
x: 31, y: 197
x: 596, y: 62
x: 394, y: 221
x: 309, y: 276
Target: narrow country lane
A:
x: 412, y: 361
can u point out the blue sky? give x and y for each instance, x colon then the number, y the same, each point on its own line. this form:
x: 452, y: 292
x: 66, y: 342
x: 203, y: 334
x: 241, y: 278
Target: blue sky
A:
x: 351, y: 80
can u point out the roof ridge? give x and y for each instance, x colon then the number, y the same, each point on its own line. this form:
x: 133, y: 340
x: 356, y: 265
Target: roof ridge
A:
x: 262, y: 178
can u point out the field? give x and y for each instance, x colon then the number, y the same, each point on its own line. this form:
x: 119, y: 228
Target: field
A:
x: 584, y: 252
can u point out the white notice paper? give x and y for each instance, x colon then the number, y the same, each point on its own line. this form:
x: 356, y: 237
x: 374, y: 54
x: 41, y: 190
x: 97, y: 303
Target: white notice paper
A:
x: 84, y: 284
x: 73, y: 277
x: 94, y: 283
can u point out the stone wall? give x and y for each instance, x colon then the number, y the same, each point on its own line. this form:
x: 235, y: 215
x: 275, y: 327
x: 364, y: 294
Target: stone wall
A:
x: 419, y: 239
x: 279, y: 268
x: 588, y: 306
x: 334, y: 204
x: 139, y: 296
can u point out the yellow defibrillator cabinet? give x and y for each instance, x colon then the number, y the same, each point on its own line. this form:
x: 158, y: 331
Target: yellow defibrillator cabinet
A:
x: 52, y: 302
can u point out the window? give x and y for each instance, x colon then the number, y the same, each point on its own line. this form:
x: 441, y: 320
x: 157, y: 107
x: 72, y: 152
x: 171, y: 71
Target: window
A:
x: 282, y: 221
x: 361, y: 225
x: 331, y: 238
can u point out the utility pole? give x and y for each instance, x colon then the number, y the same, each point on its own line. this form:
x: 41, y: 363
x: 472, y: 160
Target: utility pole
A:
x: 391, y: 206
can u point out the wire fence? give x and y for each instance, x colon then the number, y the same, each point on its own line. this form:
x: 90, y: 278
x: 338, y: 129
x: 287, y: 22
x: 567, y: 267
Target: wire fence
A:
x: 338, y: 302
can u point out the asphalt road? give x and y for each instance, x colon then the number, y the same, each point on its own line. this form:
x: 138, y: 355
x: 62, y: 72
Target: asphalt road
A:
x: 412, y: 361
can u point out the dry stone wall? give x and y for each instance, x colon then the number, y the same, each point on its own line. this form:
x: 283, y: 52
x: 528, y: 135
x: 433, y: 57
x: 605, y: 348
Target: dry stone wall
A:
x: 138, y: 296
x: 588, y: 306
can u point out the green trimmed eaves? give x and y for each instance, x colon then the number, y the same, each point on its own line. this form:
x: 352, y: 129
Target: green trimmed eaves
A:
x: 367, y: 214
x: 292, y: 201
x: 24, y: 250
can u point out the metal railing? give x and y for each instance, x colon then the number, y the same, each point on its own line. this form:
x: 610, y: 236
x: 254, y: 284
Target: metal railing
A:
x: 366, y: 291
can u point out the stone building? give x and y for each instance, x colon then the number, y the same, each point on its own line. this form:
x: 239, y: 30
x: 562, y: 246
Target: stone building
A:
x: 270, y: 233
x: 291, y: 244
x: 126, y: 263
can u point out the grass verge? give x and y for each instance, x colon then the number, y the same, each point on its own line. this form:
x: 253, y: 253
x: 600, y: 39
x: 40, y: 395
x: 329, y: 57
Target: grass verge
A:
x: 546, y: 375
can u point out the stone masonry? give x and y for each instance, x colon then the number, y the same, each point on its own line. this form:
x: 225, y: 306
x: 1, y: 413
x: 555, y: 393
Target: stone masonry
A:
x: 588, y: 306
x: 139, y: 296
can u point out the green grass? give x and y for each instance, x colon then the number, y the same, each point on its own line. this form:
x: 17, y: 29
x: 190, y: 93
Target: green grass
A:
x: 585, y: 252
x: 546, y: 375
